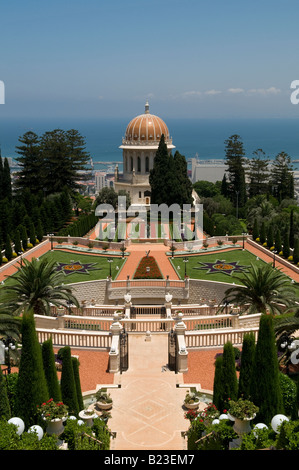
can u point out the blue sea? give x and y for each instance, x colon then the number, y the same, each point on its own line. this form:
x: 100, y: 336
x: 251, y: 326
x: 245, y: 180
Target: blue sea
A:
x: 192, y: 137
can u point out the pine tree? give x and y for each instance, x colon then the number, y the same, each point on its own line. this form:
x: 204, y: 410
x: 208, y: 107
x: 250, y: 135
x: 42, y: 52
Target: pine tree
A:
x: 50, y: 370
x: 265, y: 389
x: 246, y: 366
x: 282, y: 179
x: 30, y: 161
x: 258, y: 173
x: 32, y: 388
x: 235, y: 161
x: 67, y: 383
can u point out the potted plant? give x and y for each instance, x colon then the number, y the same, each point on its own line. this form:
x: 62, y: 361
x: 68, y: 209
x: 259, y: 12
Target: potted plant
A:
x: 191, y: 401
x: 242, y: 412
x: 54, y: 413
x: 105, y: 416
x: 104, y: 400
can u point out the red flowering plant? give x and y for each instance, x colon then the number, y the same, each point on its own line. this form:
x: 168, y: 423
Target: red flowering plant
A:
x: 191, y: 415
x: 210, y: 412
x: 148, y: 269
x: 51, y: 410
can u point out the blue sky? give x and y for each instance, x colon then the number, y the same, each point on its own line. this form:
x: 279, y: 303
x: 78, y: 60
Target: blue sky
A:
x: 191, y: 58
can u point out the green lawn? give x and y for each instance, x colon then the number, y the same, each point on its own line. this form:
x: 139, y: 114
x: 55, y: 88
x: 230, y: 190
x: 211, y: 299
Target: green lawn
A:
x: 243, y: 259
x: 100, y: 268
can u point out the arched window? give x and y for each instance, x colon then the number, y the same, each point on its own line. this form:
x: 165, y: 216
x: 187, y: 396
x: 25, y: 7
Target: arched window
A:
x: 138, y: 165
x: 132, y: 164
x: 147, y: 165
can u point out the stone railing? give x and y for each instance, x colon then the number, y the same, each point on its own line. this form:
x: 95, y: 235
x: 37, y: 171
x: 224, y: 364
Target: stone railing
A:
x: 217, y: 338
x: 140, y: 324
x: 90, y: 310
x: 76, y: 339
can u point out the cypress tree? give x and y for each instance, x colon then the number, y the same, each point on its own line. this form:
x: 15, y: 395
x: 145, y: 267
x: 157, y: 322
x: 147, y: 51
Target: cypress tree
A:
x: 292, y: 233
x: 67, y: 382
x: 230, y: 385
x: 263, y: 234
x: 270, y: 236
x: 218, y: 384
x: 255, y: 230
x: 78, y: 383
x: 286, y: 245
x: 50, y: 370
x: 32, y: 235
x: 278, y: 245
x: 8, y: 248
x: 6, y: 181
x: 296, y: 251
x: 161, y: 176
x: 5, y: 412
x: 247, y: 358
x: 39, y: 230
x: 24, y: 238
x: 17, y: 242
x: 265, y: 388
x: 32, y: 388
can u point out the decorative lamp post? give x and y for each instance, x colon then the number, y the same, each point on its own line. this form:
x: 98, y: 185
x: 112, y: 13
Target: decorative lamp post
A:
x: 9, y: 345
x: 274, y: 252
x: 244, y: 235
x: 110, y: 261
x: 185, y: 261
x: 51, y: 239
x: 21, y: 259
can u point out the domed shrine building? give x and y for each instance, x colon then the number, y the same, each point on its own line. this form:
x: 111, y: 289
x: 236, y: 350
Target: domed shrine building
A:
x: 139, y: 146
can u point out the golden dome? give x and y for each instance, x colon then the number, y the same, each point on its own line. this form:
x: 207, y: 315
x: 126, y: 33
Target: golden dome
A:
x: 146, y: 129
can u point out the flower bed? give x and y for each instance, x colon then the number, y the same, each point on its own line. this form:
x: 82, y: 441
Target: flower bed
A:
x: 148, y: 269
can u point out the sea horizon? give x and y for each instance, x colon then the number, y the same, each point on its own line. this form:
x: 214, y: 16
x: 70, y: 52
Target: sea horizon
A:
x: 192, y: 137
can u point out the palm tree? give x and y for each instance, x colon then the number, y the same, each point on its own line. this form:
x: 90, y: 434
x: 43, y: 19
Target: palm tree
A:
x: 35, y: 287
x: 10, y: 325
x: 265, y: 289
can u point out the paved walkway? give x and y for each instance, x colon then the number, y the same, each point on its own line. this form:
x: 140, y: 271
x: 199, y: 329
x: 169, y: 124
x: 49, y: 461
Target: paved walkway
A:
x: 148, y: 411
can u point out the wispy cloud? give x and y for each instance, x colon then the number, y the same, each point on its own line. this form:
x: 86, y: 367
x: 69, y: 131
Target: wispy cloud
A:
x: 236, y: 90
x: 192, y: 93
x: 265, y: 91
x: 213, y: 92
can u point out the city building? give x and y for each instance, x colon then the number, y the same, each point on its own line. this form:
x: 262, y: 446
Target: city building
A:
x: 139, y: 146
